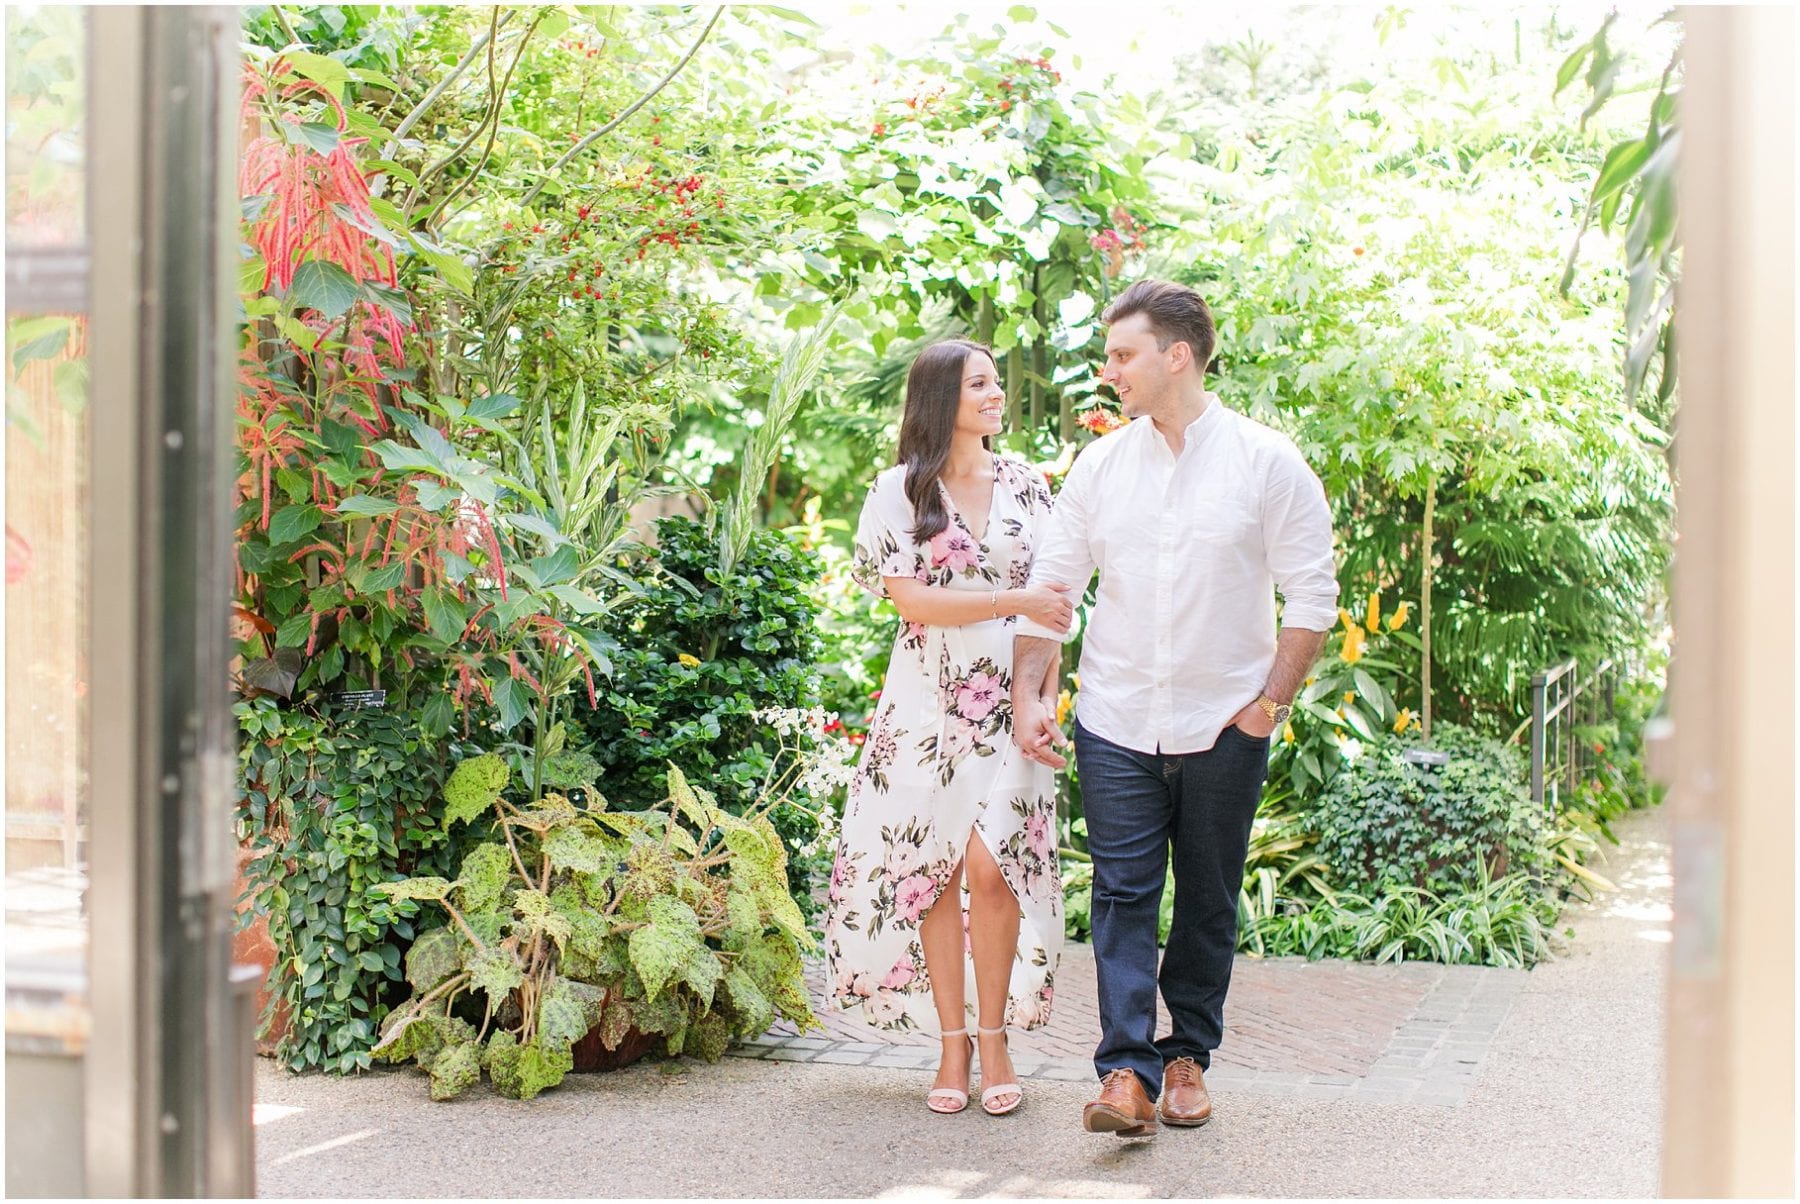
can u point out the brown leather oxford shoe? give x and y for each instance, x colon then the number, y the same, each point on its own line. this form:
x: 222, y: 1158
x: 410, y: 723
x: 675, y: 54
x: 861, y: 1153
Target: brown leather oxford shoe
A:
x: 1123, y: 1109
x: 1184, y: 1097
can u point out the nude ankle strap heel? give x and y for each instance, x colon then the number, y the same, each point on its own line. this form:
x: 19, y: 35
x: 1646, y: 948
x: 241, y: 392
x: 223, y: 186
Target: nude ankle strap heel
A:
x: 950, y: 1095
x: 1000, y: 1089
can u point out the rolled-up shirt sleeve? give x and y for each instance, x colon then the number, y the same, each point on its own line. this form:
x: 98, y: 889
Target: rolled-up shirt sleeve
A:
x: 1065, y: 556
x: 1297, y: 538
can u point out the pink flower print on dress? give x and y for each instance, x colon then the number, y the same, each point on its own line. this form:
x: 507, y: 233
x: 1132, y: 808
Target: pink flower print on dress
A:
x: 863, y: 985
x: 900, y: 975
x: 952, y: 548
x: 1037, y: 833
x: 840, y: 878
x: 913, y: 897
x: 960, y: 738
x: 886, y: 1007
x: 977, y: 697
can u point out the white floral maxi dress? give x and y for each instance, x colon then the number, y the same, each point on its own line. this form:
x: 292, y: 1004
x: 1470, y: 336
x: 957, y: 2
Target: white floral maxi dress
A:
x: 939, y: 762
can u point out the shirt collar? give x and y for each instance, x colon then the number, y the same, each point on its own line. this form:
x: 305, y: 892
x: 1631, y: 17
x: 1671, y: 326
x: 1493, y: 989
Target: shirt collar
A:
x: 1198, y: 430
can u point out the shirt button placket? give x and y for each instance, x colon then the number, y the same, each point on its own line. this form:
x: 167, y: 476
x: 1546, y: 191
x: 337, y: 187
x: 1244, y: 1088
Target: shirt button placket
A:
x: 1162, y: 718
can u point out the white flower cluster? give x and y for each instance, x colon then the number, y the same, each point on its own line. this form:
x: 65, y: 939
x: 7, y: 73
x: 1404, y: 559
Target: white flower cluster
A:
x: 788, y: 720
x: 829, y: 768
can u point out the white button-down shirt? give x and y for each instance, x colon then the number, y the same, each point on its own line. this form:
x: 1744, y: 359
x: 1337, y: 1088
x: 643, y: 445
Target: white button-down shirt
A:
x: 1190, y: 550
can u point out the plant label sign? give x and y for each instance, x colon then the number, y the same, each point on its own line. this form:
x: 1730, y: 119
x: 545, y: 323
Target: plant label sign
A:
x: 359, y: 700
x: 1433, y: 757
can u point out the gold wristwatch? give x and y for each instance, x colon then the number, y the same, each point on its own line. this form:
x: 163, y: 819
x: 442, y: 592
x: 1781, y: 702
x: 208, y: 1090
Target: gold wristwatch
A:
x: 1277, y: 712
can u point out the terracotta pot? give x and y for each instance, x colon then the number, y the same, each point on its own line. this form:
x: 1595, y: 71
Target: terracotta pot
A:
x: 591, y: 1056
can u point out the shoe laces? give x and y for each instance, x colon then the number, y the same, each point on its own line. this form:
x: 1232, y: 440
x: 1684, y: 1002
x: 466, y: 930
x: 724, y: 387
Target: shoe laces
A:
x: 1124, y: 1075
x: 1183, y: 1072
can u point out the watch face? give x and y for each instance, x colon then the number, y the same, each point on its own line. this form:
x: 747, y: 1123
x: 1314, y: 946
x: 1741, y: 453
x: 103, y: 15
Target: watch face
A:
x: 1281, y: 714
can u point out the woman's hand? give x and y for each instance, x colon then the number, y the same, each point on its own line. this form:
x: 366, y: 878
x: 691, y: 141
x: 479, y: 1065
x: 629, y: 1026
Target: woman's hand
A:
x: 1047, y: 605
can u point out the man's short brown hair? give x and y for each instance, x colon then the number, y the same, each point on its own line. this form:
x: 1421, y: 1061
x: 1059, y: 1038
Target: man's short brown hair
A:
x: 1176, y: 314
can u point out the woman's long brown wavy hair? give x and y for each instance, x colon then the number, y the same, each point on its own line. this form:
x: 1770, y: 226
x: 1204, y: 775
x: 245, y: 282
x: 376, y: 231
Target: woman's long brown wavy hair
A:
x: 927, y: 425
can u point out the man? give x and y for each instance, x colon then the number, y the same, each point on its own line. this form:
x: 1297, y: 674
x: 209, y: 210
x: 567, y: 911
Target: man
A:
x: 1194, y: 516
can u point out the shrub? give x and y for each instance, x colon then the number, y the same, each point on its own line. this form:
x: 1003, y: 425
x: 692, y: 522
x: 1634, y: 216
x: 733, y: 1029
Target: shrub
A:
x: 671, y: 921
x: 1386, y: 822
x: 701, y: 652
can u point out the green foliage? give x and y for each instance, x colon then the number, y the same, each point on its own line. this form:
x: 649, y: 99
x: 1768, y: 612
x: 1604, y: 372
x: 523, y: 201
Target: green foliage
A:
x: 1640, y: 171
x: 1382, y: 261
x: 332, y: 808
x: 676, y: 923
x: 1394, y: 823
x: 473, y: 787
x: 1348, y: 700
x: 753, y: 639
x: 1505, y: 921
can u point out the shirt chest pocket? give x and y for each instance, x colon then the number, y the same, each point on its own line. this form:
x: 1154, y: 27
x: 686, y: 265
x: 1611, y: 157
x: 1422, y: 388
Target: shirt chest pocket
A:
x: 1220, y: 521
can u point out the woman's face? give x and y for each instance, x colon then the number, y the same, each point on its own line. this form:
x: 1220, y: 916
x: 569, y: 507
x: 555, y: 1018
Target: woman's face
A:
x: 983, y: 400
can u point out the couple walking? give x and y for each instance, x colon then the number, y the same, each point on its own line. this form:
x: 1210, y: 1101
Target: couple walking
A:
x: 945, y: 884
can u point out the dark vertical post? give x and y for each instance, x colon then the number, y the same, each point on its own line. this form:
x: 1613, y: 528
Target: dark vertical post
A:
x: 1539, y: 681
x: 170, y: 1063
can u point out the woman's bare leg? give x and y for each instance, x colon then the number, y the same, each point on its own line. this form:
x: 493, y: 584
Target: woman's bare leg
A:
x: 994, y: 940
x: 941, y: 935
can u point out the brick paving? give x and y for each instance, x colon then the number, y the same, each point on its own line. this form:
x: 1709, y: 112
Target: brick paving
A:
x: 1330, y: 1029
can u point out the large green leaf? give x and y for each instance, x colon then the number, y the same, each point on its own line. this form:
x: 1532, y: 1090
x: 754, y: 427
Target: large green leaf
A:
x: 566, y: 1012
x: 513, y: 698
x: 365, y: 505
x: 325, y: 287
x: 589, y: 929
x: 484, y: 876
x: 434, y: 956
x: 687, y: 803
x: 291, y: 522
x: 473, y: 786
x: 521, y: 1071
x: 496, y: 972
x: 754, y: 1011
x: 534, y: 908
x: 665, y: 945
x: 445, y: 612
x: 326, y: 72
x: 569, y: 848
x: 455, y: 1070
x: 417, y: 888
x: 774, y: 965
x: 492, y: 406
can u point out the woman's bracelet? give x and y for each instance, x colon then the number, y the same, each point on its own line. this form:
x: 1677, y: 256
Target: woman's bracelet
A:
x: 994, y: 602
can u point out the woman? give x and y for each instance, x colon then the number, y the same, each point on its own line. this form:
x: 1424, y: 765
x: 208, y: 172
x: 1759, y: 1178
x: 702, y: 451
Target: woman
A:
x: 942, y: 804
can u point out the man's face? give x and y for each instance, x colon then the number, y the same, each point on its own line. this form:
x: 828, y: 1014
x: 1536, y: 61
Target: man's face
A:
x: 1138, y: 371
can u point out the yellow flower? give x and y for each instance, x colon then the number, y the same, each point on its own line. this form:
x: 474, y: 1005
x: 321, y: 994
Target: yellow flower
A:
x: 1397, y: 620
x: 1353, y: 645
x: 1349, y: 697
x: 692, y: 662
x: 1374, y: 621
x: 1075, y: 680
x: 1345, y: 619
x: 1287, y: 733
x: 1065, y: 702
x: 1403, y: 720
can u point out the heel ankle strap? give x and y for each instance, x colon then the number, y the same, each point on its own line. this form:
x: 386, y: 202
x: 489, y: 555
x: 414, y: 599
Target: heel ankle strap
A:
x: 956, y: 1032
x: 990, y: 1031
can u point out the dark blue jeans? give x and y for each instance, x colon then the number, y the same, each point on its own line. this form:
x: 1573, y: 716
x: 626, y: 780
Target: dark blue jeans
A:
x: 1140, y: 808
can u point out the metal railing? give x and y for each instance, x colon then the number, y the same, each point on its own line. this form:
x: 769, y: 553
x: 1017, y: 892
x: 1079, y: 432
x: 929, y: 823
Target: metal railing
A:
x: 1564, y: 699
